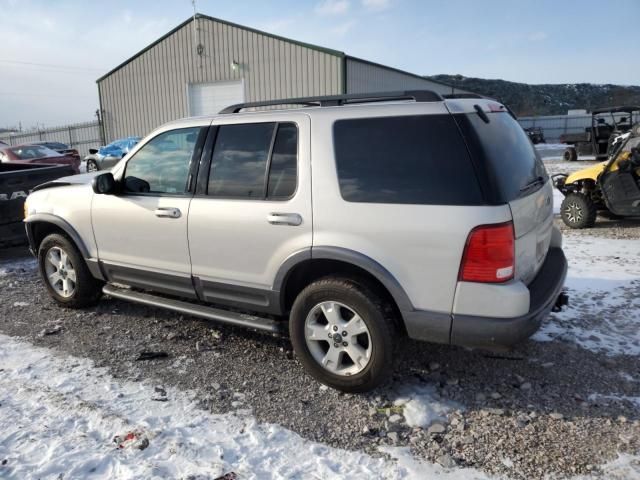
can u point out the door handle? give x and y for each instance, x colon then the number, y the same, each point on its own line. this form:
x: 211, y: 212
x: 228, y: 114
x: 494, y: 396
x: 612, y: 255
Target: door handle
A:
x: 168, y: 212
x: 276, y: 218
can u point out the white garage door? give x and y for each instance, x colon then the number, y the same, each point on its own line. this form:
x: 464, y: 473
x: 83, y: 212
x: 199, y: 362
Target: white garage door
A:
x: 210, y: 98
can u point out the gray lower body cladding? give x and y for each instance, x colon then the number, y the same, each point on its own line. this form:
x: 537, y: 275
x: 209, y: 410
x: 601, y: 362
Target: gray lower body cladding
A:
x: 487, y: 332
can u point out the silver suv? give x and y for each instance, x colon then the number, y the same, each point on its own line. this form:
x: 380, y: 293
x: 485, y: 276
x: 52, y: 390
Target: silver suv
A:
x: 348, y: 222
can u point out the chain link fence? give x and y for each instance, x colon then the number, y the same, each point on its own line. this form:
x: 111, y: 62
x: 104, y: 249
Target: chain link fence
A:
x: 81, y: 136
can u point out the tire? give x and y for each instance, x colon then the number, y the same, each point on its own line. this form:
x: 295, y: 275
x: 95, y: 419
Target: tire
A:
x: 342, y: 298
x: 570, y: 155
x: 57, y: 255
x: 578, y: 211
x: 92, y: 166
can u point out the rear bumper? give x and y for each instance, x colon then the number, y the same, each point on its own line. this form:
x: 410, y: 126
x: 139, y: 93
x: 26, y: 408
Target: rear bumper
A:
x: 476, y: 331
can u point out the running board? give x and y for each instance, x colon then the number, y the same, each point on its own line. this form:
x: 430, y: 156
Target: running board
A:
x: 201, y: 311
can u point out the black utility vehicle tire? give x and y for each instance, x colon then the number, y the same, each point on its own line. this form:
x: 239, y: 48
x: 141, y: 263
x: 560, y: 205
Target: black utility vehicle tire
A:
x: 358, y: 298
x: 570, y: 155
x: 87, y: 290
x: 578, y: 211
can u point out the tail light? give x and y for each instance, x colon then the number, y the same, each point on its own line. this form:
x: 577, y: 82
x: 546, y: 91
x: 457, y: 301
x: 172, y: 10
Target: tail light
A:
x: 489, y: 255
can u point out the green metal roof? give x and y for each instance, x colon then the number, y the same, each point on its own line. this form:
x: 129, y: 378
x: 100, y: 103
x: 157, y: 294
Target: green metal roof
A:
x: 225, y: 22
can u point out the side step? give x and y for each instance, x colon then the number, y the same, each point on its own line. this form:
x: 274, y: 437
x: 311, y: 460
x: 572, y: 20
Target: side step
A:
x: 201, y: 311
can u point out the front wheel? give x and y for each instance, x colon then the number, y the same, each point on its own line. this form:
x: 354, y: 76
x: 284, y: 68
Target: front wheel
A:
x: 65, y: 273
x: 340, y: 334
x: 578, y: 211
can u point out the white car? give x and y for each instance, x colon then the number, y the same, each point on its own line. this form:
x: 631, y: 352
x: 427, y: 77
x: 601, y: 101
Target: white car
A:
x: 349, y: 222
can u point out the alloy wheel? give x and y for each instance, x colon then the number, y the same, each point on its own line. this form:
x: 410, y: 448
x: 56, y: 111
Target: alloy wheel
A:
x: 61, y: 274
x: 573, y: 212
x: 338, y: 338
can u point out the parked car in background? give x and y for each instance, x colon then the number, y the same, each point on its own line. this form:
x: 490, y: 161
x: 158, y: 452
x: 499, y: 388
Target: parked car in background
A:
x: 37, y: 154
x: 60, y: 147
x: 104, y: 158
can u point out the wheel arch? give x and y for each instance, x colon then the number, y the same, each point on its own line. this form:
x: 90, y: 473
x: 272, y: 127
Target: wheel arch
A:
x: 306, y: 266
x: 39, y: 225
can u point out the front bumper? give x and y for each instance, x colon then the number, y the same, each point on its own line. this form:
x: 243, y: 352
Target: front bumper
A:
x: 475, y: 331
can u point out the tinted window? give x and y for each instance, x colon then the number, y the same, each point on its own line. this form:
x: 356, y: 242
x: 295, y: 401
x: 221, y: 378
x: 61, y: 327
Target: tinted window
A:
x: 239, y: 162
x: 505, y: 153
x: 408, y: 159
x: 284, y: 162
x: 162, y: 165
x: 33, y: 151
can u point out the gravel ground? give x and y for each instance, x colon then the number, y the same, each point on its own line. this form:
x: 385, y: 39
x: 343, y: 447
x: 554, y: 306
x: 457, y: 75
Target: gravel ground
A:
x: 528, y: 413
x: 525, y: 414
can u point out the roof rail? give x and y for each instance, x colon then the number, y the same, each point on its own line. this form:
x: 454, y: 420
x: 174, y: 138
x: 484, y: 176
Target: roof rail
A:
x: 452, y: 96
x: 337, y: 100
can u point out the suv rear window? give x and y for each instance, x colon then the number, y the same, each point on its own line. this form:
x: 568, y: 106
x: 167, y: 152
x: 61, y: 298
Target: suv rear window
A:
x: 504, y: 154
x: 419, y: 159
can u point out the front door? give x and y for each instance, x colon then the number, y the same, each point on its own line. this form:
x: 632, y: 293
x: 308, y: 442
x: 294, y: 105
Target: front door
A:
x: 252, y: 210
x: 141, y: 233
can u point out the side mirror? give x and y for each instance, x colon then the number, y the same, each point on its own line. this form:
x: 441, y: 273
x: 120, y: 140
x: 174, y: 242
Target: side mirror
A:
x: 104, y: 183
x: 93, y: 151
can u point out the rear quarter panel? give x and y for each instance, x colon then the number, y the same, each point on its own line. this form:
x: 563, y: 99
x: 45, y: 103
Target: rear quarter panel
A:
x: 420, y: 245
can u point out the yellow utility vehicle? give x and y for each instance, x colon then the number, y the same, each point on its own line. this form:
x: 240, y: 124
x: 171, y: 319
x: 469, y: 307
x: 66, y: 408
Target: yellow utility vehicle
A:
x: 612, y: 185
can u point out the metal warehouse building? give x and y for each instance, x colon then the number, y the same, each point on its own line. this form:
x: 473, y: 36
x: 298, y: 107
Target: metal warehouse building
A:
x: 205, y: 64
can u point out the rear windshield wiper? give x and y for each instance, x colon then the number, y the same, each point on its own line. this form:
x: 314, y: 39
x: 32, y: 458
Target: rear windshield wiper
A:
x: 538, y: 181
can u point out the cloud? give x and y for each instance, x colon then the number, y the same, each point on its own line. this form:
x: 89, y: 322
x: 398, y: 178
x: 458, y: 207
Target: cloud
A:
x: 332, y: 7
x: 538, y: 36
x: 344, y: 28
x: 376, y: 5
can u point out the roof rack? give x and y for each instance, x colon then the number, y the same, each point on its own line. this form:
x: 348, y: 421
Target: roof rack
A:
x: 418, y: 96
x: 452, y: 96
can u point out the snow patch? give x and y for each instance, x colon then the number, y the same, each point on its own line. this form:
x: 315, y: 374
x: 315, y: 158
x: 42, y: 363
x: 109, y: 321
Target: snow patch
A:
x: 60, y: 415
x: 604, y: 307
x: 421, y: 405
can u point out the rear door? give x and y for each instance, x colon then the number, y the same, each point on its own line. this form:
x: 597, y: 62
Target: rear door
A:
x: 252, y: 209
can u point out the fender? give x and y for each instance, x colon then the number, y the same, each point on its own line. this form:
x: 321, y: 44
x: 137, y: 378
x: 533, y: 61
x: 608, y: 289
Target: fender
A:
x: 31, y: 220
x: 58, y: 222
x: 347, y: 256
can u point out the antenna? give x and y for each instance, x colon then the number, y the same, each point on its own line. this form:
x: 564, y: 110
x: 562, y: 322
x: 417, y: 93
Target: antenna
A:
x: 196, y: 33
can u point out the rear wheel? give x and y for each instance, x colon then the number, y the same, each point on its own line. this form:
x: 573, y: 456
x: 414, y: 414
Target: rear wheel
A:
x: 65, y: 273
x: 339, y: 332
x: 92, y: 166
x: 578, y: 211
x: 570, y: 154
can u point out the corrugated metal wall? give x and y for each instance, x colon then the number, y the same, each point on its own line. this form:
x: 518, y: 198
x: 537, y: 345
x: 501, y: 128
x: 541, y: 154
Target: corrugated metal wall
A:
x: 152, y: 89
x: 366, y: 77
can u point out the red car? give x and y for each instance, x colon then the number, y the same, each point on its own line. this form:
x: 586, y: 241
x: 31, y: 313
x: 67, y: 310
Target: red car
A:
x: 37, y: 154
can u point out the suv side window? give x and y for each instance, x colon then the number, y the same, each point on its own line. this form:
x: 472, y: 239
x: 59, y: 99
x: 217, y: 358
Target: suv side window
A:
x: 162, y: 165
x: 245, y: 153
x: 418, y: 159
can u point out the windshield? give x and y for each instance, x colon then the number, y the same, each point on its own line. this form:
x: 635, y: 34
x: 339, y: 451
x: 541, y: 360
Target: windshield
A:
x: 29, y: 152
x: 506, y: 157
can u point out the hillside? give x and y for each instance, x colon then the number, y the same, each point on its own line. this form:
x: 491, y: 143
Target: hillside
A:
x: 546, y: 99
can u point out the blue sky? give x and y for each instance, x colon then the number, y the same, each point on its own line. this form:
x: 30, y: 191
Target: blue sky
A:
x: 51, y: 52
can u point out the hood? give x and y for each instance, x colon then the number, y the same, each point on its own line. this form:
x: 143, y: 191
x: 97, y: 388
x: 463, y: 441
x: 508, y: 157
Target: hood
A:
x: 82, y: 179
x: 589, y: 173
